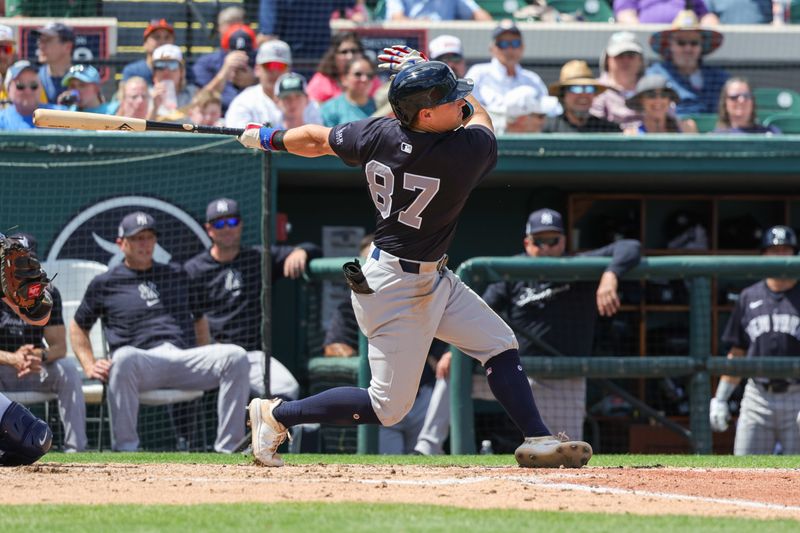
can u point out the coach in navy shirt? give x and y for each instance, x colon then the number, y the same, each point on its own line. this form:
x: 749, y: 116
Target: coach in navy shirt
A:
x: 227, y: 288
x: 148, y: 321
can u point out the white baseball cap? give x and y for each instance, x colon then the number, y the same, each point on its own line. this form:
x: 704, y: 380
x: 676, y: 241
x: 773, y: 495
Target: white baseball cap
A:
x: 274, y: 51
x: 445, y: 44
x: 522, y: 101
x: 6, y: 34
x: 168, y: 52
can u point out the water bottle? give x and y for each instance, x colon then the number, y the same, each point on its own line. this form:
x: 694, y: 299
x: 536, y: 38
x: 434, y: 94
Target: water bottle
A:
x: 486, y: 447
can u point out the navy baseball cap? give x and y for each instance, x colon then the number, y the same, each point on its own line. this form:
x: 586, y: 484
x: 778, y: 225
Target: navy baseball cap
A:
x: 27, y: 240
x: 543, y: 220
x: 136, y: 222
x: 221, y: 207
x: 56, y: 29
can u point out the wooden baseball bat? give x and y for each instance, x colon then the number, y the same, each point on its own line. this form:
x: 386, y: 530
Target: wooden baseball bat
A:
x: 53, y: 118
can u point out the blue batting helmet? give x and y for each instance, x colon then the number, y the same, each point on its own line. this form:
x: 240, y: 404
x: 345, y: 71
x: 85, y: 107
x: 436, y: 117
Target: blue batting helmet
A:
x: 425, y: 85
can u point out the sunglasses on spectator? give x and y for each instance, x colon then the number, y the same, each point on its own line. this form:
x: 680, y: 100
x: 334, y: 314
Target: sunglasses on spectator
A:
x: 450, y: 58
x: 32, y: 86
x: 740, y: 97
x: 166, y: 65
x: 681, y: 42
x: 582, y: 89
x: 348, y: 51
x: 512, y: 43
x: 6, y: 49
x: 275, y: 66
x: 655, y: 93
x: 367, y: 75
x: 548, y: 241
x: 231, y: 222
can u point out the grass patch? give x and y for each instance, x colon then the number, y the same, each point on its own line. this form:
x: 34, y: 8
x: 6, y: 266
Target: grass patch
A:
x: 634, y: 461
x: 351, y: 517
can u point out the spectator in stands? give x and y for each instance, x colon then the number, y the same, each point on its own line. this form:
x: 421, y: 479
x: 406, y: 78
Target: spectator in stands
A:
x: 32, y: 358
x: 341, y: 340
x: 660, y: 12
x: 326, y: 82
x: 446, y: 10
x: 147, y: 317
x: 7, y: 43
x: 158, y: 33
x: 206, y: 109
x: 524, y: 112
x: 54, y: 46
x: 23, y: 86
x: 354, y: 103
x: 682, y: 49
x: 83, y: 90
x: 304, y: 24
x: 737, y: 109
x: 745, y: 11
x: 133, y: 98
x: 576, y: 90
x: 171, y: 93
x: 448, y: 49
x: 560, y: 314
x: 621, y: 66
x: 295, y: 107
x: 654, y: 99
x: 228, y: 70
x: 257, y: 103
x: 494, y: 79
x: 227, y: 284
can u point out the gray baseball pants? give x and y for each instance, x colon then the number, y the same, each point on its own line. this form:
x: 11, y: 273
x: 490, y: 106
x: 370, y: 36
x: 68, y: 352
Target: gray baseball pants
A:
x: 64, y: 380
x: 281, y: 381
x: 437, y: 421
x: 400, y: 438
x: 766, y: 418
x: 134, y: 370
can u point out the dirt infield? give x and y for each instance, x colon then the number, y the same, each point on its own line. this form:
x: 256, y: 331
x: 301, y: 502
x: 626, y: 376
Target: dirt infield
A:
x: 755, y: 493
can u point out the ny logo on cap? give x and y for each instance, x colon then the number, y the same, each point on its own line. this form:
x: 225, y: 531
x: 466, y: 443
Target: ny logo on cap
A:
x: 24, y: 242
x: 547, y: 218
x: 222, y: 206
x: 141, y: 219
x: 780, y: 233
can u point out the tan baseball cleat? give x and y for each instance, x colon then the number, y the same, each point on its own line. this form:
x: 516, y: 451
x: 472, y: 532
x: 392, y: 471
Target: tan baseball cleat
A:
x: 553, y: 452
x: 267, y: 432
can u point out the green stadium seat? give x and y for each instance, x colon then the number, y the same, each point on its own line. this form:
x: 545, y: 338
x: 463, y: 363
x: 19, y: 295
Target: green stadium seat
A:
x: 501, y: 9
x: 773, y: 101
x: 787, y: 122
x: 706, y: 122
x: 589, y: 10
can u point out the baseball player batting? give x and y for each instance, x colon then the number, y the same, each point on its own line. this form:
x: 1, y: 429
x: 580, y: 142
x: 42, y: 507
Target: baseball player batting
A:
x: 23, y: 437
x: 764, y: 322
x: 420, y: 169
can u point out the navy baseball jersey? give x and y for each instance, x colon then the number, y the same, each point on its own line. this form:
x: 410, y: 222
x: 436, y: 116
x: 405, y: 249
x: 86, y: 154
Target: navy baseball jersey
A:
x: 418, y: 182
x: 140, y: 308
x: 229, y: 294
x: 14, y: 332
x: 765, y: 322
x: 562, y: 313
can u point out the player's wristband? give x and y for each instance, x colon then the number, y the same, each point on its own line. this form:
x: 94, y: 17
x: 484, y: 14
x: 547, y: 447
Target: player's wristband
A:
x: 272, y: 139
x: 724, y: 390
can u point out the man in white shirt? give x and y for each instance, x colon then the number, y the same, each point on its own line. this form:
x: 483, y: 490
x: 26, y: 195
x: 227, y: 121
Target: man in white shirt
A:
x: 496, y: 78
x: 257, y: 104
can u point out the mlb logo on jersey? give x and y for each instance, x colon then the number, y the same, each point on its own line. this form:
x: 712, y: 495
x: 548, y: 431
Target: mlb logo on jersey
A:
x: 405, y: 147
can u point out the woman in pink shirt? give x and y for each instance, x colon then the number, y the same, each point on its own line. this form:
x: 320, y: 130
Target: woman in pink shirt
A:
x: 326, y: 83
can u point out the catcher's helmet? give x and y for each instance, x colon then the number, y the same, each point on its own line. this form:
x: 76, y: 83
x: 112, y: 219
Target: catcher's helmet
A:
x: 779, y: 236
x: 425, y: 85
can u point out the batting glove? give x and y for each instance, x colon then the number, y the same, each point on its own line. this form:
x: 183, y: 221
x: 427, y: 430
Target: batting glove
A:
x: 399, y: 57
x: 719, y: 415
x: 257, y: 136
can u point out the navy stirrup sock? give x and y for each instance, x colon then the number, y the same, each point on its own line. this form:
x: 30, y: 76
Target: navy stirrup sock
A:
x: 510, y: 386
x: 342, y: 406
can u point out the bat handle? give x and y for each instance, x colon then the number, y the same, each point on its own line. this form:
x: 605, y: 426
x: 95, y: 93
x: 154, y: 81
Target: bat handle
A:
x: 217, y: 129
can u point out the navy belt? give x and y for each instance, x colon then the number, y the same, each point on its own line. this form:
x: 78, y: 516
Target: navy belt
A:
x: 410, y: 267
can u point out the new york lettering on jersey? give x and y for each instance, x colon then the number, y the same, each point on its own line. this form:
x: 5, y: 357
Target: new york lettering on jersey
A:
x: 765, y: 322
x: 407, y: 173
